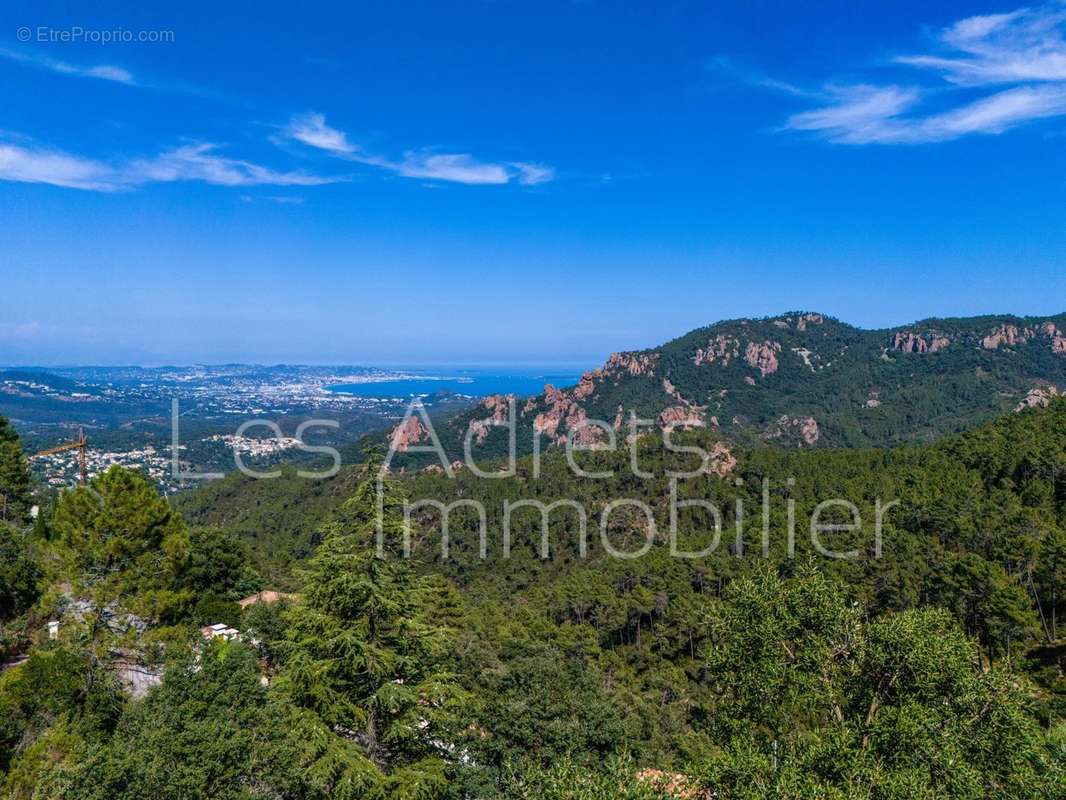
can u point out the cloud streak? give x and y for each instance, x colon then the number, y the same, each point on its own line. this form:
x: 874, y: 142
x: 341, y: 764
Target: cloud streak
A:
x: 199, y: 162
x: 1017, y: 58
x: 1024, y: 45
x: 33, y: 165
x: 104, y: 72
x: 203, y: 162
x: 858, y: 114
x: 312, y: 130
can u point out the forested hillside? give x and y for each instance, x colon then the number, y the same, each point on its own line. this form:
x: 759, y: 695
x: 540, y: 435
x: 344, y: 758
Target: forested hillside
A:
x: 929, y: 665
x: 797, y: 380
x: 388, y: 409
x: 986, y: 508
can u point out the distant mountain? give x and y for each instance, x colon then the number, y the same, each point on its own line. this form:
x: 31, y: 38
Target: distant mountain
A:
x: 35, y: 382
x: 798, y: 380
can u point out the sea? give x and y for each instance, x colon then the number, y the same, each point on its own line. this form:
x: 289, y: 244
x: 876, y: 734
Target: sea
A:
x: 468, y: 381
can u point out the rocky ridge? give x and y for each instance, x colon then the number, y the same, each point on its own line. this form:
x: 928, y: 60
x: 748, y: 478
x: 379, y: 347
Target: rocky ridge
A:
x: 800, y: 379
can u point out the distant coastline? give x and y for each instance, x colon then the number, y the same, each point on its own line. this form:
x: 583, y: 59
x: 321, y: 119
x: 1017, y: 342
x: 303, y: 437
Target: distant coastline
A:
x: 466, y: 381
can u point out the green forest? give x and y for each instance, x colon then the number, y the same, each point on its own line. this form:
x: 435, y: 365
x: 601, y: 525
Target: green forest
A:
x: 927, y: 664
x: 756, y: 381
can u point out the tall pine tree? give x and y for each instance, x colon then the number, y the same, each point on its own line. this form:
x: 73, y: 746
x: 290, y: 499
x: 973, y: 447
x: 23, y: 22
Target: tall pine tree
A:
x: 363, y: 655
x: 15, y: 493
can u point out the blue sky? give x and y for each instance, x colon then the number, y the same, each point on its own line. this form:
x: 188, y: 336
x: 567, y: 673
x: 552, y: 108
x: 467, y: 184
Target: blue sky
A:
x: 516, y: 182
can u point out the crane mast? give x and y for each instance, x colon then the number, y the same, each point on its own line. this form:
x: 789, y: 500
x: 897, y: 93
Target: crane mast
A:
x: 78, y: 444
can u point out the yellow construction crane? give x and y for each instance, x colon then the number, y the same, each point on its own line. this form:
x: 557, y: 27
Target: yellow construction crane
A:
x: 78, y: 444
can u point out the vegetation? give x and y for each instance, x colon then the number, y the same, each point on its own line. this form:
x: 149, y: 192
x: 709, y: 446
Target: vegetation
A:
x: 932, y: 670
x: 754, y: 380
x: 15, y: 495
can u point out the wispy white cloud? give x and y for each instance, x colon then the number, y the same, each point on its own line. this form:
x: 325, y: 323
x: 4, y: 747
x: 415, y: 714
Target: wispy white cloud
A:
x: 874, y: 115
x: 1018, y: 58
x: 281, y: 200
x: 311, y: 129
x: 1024, y: 45
x: 724, y: 65
x: 462, y: 168
x: 533, y: 174
x: 858, y: 114
x: 105, y: 72
x: 34, y: 165
x: 27, y: 163
x: 1000, y: 112
x: 200, y: 162
x: 454, y: 167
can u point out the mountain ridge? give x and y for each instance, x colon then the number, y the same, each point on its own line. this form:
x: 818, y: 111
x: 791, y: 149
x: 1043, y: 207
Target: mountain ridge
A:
x: 798, y: 379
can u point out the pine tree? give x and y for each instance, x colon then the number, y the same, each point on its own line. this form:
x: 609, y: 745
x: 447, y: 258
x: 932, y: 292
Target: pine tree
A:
x: 117, y: 543
x: 363, y: 656
x: 15, y: 493
x: 20, y: 573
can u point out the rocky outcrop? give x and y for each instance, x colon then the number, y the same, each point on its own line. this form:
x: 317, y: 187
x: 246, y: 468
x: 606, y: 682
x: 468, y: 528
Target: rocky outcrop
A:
x: 720, y: 349
x: 617, y: 366
x: 762, y: 356
x: 805, y: 354
x: 408, y: 433
x: 673, y: 784
x: 559, y: 404
x: 581, y: 433
x: 722, y: 459
x: 910, y: 342
x: 671, y: 389
x: 1058, y: 342
x: 1006, y: 334
x: 804, y: 429
x: 563, y: 412
x: 548, y: 423
x: 631, y: 363
x: 1012, y: 335
x: 499, y: 405
x: 586, y: 386
x: 800, y: 322
x: 724, y: 349
x: 681, y: 416
x: 1038, y: 397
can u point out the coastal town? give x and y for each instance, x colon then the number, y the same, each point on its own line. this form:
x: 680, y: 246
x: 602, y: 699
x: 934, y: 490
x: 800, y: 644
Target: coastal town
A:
x: 142, y: 417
